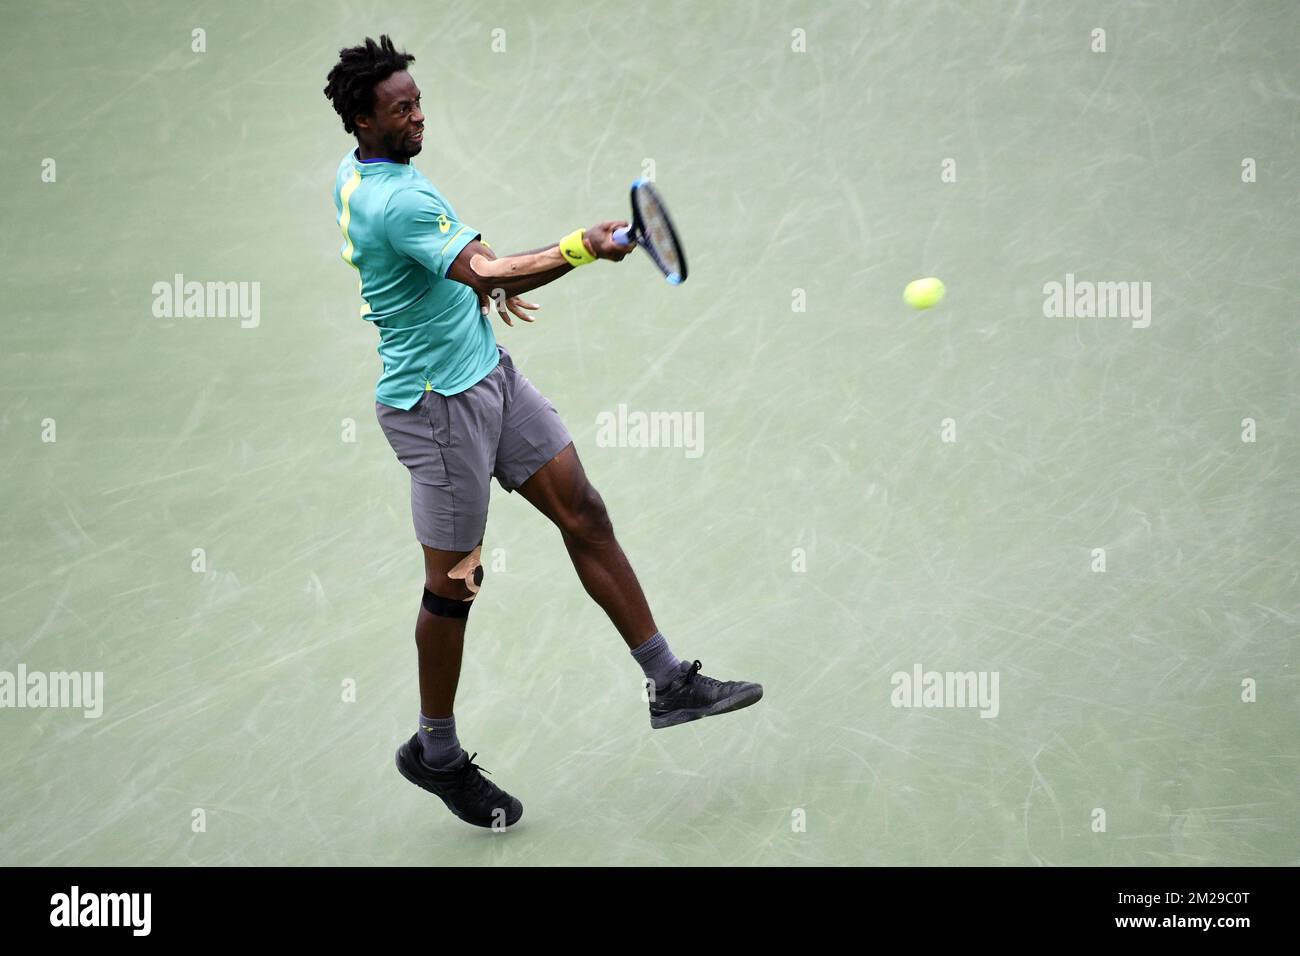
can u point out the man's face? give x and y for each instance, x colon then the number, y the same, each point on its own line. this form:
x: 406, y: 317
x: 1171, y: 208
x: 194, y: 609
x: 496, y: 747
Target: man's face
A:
x: 397, y: 127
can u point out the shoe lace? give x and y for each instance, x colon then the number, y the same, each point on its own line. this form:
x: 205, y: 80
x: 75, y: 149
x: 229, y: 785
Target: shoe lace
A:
x: 694, y: 675
x: 469, y: 778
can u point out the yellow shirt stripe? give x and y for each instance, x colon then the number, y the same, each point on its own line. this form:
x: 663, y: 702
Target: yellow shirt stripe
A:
x: 345, y: 219
x: 453, y: 238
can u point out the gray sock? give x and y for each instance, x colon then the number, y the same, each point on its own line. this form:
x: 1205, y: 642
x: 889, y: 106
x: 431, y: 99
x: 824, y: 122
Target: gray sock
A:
x: 657, y: 661
x: 438, y: 739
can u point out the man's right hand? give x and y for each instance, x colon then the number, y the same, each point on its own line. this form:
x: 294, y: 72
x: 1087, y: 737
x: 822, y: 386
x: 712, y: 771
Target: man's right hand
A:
x: 599, y: 239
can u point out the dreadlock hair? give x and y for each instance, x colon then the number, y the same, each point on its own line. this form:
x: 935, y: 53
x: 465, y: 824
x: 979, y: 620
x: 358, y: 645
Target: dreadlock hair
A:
x: 350, y: 86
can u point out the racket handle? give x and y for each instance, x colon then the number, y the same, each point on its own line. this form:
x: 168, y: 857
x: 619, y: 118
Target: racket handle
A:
x: 622, y: 236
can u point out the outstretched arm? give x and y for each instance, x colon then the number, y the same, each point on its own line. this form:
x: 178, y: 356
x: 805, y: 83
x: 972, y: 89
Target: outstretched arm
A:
x: 500, y: 280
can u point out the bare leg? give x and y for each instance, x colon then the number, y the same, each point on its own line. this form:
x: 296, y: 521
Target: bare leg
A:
x: 560, y: 490
x: 440, y: 641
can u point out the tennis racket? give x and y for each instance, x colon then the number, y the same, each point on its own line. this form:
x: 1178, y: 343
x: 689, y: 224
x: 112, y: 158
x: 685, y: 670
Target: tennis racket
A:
x: 653, y: 231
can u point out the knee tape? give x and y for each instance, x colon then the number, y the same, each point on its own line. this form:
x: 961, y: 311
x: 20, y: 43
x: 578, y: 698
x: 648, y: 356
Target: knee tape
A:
x: 470, y: 571
x: 445, y: 607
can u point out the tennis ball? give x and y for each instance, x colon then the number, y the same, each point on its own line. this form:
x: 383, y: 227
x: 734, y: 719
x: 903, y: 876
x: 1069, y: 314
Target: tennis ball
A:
x: 923, y: 293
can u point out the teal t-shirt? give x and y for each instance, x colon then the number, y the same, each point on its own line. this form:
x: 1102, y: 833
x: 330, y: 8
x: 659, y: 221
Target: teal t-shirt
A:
x: 401, y: 236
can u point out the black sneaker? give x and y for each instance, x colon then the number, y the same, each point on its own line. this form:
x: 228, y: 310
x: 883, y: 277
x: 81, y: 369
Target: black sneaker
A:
x: 692, y: 696
x: 466, y: 792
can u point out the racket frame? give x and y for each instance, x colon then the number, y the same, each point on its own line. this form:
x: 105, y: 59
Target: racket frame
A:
x: 637, y: 232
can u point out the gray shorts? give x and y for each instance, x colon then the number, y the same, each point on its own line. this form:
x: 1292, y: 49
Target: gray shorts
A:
x: 454, y: 445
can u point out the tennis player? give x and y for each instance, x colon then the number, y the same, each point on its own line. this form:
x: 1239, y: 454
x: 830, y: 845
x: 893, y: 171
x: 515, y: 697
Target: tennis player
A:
x: 458, y: 413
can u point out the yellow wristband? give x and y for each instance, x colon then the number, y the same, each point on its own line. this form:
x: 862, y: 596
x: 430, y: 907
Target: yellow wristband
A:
x: 574, y: 249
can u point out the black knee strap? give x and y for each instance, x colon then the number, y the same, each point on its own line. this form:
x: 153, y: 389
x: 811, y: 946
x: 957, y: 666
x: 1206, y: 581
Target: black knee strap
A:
x: 445, y: 607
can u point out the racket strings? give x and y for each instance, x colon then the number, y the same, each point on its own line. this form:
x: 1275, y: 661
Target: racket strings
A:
x: 659, y: 234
